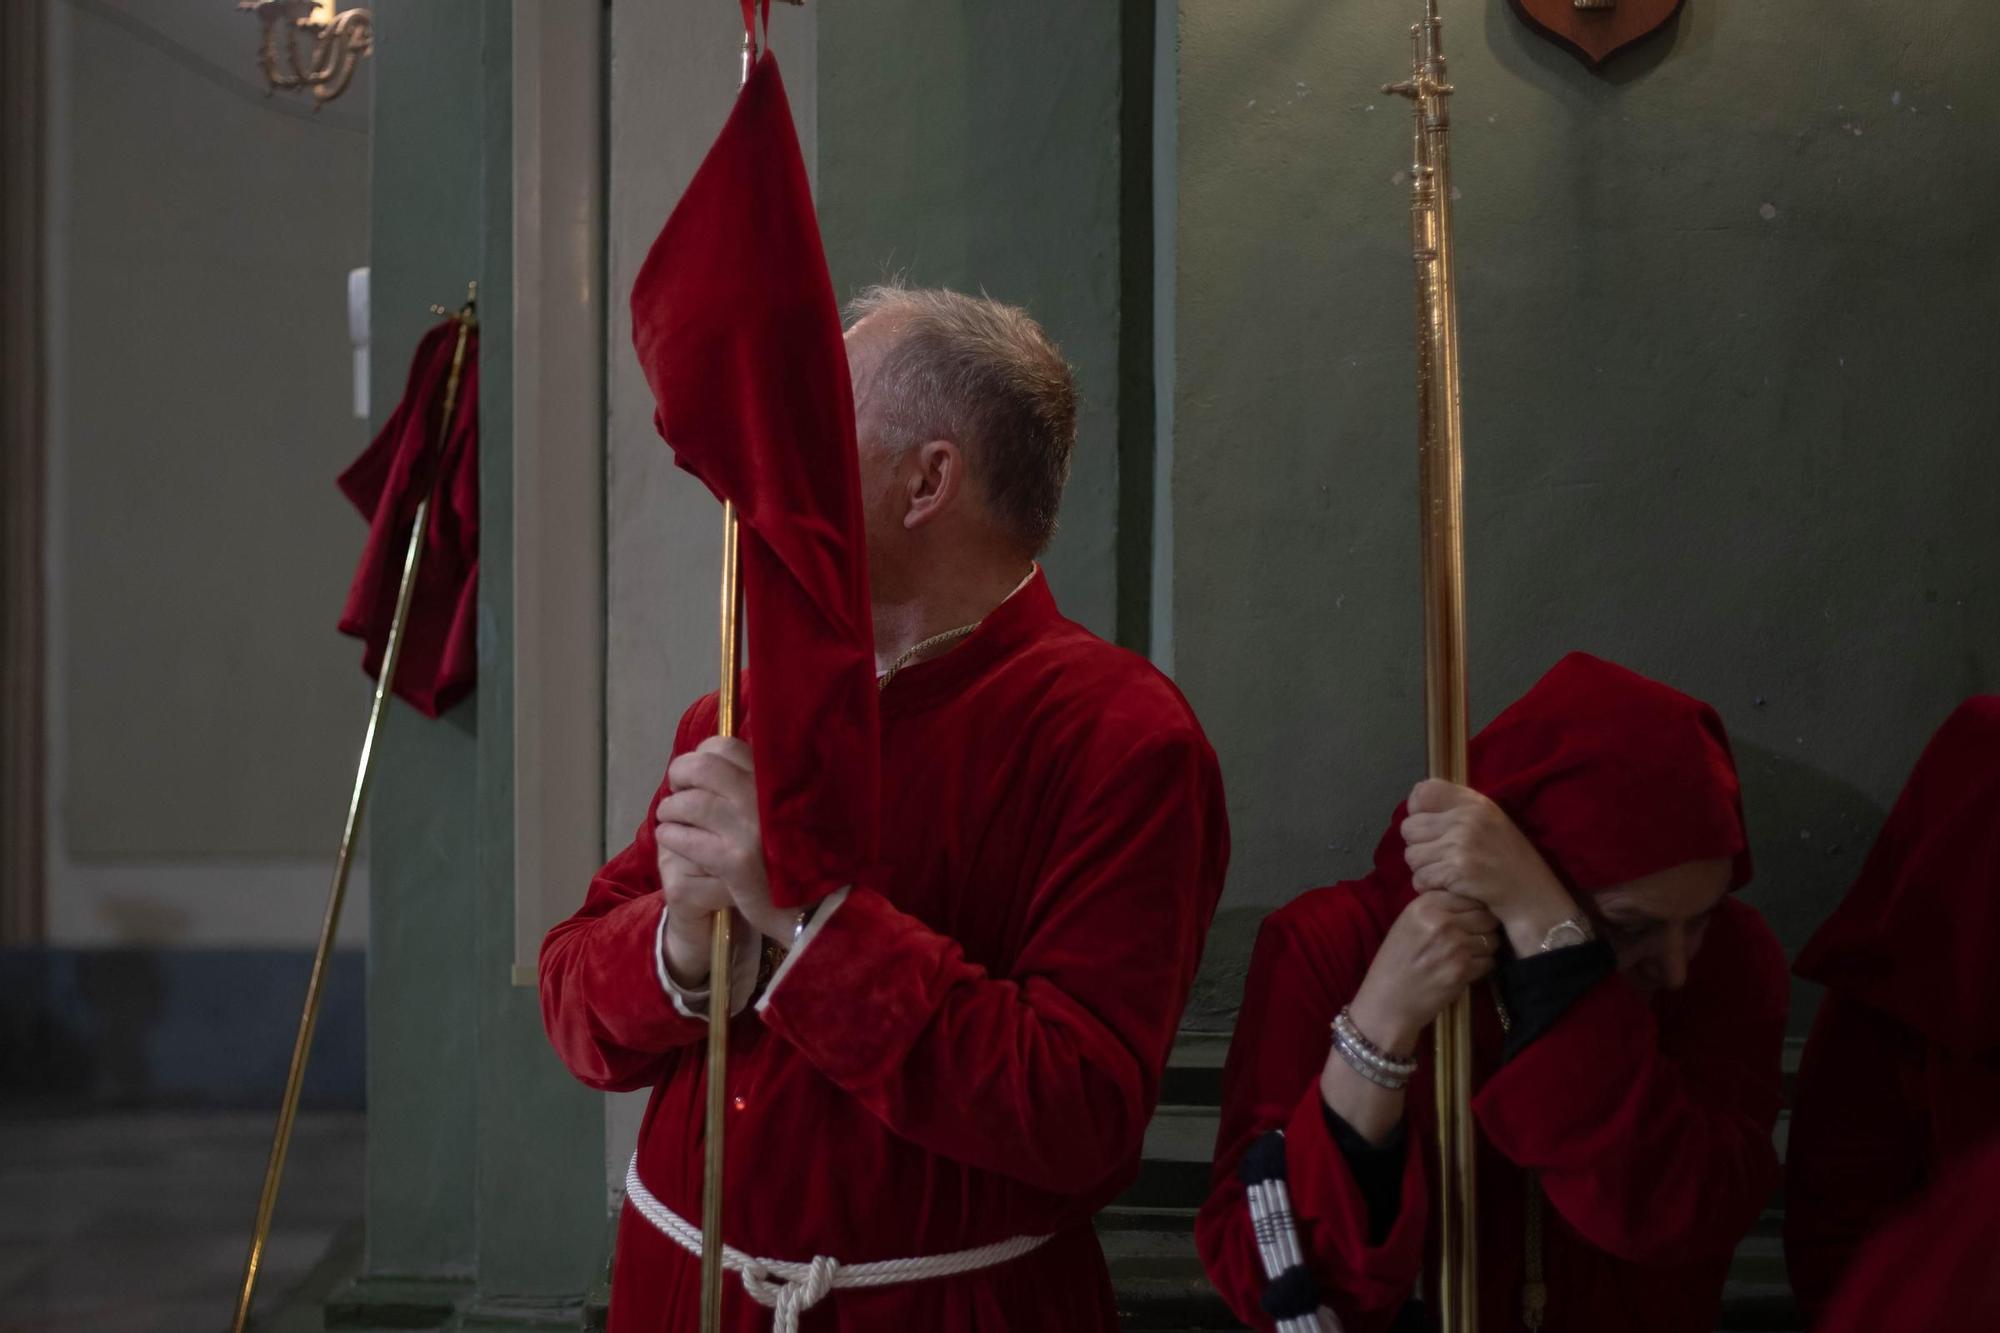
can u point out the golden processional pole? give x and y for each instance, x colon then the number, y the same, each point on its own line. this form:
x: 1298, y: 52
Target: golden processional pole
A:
x: 288, y: 1106
x: 1441, y: 497
x: 720, y: 952
x: 719, y: 956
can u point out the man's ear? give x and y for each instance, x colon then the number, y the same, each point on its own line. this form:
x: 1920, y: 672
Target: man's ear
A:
x: 935, y: 478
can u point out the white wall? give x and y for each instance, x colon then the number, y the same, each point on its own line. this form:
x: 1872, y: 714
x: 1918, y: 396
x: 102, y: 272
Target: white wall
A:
x: 204, y: 713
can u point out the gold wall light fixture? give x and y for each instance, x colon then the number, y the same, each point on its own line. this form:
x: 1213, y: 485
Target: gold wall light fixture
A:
x: 338, y: 39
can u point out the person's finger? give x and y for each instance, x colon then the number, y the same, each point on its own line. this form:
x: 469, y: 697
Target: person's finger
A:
x: 732, y: 750
x: 703, y: 847
x: 698, y: 768
x: 683, y: 871
x: 1427, y: 797
x: 1423, y: 853
x: 1425, y: 828
x: 1435, y: 795
x: 694, y: 805
x: 1436, y: 875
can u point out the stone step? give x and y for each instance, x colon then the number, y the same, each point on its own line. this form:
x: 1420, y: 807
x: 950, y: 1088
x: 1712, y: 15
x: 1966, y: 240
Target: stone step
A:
x: 1193, y: 1076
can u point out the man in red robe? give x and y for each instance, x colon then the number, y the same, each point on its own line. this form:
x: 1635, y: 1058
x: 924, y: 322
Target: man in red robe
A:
x: 955, y: 1059
x: 1901, y: 1075
x: 1626, y: 1056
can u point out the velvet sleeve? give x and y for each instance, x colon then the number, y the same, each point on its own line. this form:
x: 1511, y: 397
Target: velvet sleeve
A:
x: 1539, y: 989
x: 1049, y: 1073
x: 1271, y: 1080
x: 603, y: 1005
x: 1652, y: 1129
x: 1857, y: 1147
x: 1378, y: 1170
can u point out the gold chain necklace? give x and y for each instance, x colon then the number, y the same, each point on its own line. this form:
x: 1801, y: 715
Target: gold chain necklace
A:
x: 934, y: 641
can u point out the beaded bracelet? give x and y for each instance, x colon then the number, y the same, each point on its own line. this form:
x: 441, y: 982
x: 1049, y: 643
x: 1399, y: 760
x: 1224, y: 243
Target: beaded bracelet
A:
x: 1368, y: 1059
x: 1359, y: 1064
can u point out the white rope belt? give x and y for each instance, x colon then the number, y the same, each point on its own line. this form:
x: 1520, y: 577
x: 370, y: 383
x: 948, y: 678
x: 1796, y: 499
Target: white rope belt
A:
x: 789, y: 1289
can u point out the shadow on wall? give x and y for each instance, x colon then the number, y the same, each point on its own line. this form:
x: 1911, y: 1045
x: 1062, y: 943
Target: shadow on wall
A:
x: 205, y: 1029
x: 1809, y: 833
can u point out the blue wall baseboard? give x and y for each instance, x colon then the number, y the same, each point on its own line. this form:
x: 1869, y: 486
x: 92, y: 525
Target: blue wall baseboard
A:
x: 203, y: 1028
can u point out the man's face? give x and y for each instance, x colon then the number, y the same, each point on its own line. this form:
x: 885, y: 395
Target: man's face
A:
x: 1655, y: 924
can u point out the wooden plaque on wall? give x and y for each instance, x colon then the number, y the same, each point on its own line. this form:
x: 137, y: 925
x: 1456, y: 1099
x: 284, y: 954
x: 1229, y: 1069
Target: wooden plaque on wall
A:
x: 1596, y: 29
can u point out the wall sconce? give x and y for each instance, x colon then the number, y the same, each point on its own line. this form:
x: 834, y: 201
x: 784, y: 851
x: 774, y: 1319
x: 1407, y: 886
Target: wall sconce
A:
x: 339, y: 39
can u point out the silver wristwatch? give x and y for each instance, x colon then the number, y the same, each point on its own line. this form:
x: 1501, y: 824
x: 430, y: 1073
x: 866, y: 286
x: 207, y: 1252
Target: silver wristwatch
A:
x: 1564, y: 934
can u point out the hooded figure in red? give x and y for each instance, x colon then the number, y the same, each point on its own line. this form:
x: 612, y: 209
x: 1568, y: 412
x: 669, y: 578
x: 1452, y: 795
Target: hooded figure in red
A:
x: 1902, y: 1071
x: 1626, y: 1057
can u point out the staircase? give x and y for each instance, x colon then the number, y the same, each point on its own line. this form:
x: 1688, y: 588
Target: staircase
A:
x: 1148, y: 1234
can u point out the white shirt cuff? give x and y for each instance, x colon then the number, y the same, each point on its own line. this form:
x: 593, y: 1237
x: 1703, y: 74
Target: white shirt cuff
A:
x: 827, y: 907
x: 746, y: 951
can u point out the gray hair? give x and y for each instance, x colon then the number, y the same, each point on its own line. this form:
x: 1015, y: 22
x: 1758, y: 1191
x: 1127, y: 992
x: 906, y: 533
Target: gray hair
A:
x: 985, y: 376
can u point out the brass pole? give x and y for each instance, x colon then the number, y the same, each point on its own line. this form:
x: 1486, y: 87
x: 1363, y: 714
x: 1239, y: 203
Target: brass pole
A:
x: 288, y: 1106
x: 719, y: 958
x: 1441, y: 497
x: 720, y: 949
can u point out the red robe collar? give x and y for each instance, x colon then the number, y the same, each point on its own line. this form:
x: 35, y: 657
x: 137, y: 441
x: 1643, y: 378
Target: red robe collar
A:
x: 1009, y: 627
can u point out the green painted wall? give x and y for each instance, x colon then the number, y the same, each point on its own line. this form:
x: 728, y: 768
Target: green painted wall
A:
x: 484, y: 1157
x: 1729, y: 402
x: 978, y: 146
x: 539, y: 1168
x: 427, y: 240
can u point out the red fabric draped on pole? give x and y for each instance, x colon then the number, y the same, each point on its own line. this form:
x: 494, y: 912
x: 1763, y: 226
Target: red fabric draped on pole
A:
x: 736, y: 328
x: 387, y: 483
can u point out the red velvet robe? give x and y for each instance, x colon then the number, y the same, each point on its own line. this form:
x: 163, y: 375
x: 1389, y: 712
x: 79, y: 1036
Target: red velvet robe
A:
x: 1649, y: 1120
x: 971, y: 1045
x: 1902, y: 1071
x: 1879, y: 1107
x: 1933, y: 1270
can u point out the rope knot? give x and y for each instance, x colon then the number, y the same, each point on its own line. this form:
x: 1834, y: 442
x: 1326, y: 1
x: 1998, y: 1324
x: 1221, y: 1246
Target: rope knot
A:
x: 789, y: 1289
x: 789, y: 1297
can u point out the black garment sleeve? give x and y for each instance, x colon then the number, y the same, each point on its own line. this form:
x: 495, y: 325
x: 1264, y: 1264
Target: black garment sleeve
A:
x: 1538, y: 990
x: 1377, y: 1171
